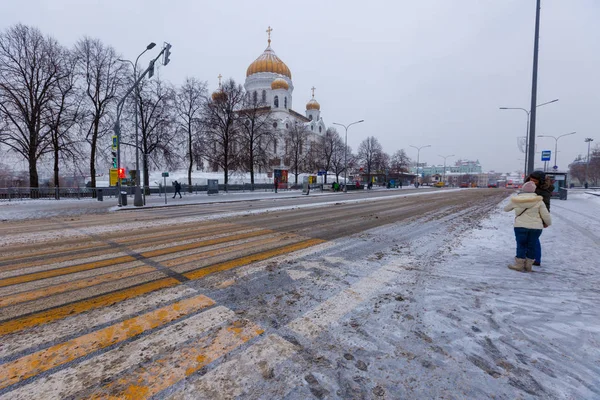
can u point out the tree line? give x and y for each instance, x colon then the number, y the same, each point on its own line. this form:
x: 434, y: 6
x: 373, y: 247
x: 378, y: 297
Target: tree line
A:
x: 58, y: 107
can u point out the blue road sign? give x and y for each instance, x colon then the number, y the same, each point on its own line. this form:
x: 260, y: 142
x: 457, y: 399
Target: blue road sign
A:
x: 546, y: 154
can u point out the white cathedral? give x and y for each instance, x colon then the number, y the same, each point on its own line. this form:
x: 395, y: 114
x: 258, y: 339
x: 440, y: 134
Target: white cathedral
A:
x: 269, y: 81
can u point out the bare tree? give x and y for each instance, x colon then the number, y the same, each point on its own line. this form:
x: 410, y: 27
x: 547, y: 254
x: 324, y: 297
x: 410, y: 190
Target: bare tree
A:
x: 28, y: 73
x: 62, y: 112
x: 369, y: 153
x: 220, y: 117
x: 400, y: 162
x: 339, y: 157
x: 157, y: 112
x: 296, y: 140
x: 256, y: 135
x: 189, y: 103
x: 102, y: 80
x: 327, y: 147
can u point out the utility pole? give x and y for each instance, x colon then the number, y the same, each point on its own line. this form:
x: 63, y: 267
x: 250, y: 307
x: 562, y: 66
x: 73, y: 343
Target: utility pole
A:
x: 587, y: 165
x: 531, y: 150
x: 117, y: 127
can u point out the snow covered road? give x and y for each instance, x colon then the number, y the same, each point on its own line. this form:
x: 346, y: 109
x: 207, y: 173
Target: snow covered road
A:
x: 414, y: 305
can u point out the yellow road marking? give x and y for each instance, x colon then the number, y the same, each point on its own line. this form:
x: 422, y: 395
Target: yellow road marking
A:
x: 122, y: 259
x: 174, y: 262
x: 204, y: 243
x: 139, y: 240
x: 148, y: 380
x: 227, y: 265
x: 72, y: 285
x: 44, y: 360
x: 64, y: 271
x: 43, y: 317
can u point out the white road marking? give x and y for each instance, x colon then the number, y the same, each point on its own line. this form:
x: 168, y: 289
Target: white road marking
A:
x: 78, y: 324
x: 70, y: 381
x: 235, y: 377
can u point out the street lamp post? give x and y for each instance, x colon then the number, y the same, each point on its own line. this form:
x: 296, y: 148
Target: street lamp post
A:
x: 528, y: 112
x: 444, y: 157
x: 137, y: 200
x: 346, y: 151
x: 587, y: 165
x: 556, y: 145
x: 418, y: 155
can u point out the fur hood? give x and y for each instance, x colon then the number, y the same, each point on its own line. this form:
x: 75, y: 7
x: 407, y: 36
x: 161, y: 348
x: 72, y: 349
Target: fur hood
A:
x: 526, y: 200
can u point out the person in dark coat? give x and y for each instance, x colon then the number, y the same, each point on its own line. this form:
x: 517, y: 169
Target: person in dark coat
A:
x: 544, y: 188
x: 177, y: 189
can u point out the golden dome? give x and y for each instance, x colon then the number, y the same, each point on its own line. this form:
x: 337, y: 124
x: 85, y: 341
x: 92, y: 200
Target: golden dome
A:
x: 313, y: 105
x: 268, y: 62
x: 279, y: 83
x: 219, y: 95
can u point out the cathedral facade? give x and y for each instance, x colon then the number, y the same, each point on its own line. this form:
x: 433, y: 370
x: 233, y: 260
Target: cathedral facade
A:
x: 269, y: 81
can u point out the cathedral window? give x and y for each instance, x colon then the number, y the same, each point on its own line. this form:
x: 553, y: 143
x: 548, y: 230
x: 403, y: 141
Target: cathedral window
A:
x: 319, y: 129
x: 264, y: 96
x: 310, y: 117
x: 275, y: 146
x: 276, y: 102
x: 285, y: 102
x: 312, y: 128
x: 275, y: 125
x: 287, y: 126
x: 255, y: 97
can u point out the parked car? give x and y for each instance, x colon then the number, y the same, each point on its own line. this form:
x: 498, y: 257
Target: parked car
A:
x: 464, y: 185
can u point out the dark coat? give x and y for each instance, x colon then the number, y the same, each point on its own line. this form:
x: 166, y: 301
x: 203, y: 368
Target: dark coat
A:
x: 544, y: 188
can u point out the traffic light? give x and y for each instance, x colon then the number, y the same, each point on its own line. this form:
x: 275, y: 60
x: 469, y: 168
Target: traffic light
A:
x: 167, y: 54
x: 114, y: 159
x: 151, y: 69
x: 121, y: 173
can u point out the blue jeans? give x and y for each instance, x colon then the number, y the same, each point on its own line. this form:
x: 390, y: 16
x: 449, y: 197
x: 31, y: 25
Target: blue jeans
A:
x: 526, y: 242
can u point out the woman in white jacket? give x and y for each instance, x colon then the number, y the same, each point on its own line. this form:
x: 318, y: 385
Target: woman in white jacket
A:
x: 531, y: 216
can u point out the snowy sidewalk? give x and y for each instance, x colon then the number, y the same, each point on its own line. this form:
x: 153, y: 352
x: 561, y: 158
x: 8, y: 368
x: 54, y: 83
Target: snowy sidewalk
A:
x: 537, y: 332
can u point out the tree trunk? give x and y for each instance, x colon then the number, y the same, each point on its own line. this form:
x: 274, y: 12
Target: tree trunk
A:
x: 191, y: 160
x: 56, y: 169
x: 93, y: 154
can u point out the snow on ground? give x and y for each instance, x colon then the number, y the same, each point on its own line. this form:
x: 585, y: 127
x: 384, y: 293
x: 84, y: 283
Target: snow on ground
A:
x: 539, y: 332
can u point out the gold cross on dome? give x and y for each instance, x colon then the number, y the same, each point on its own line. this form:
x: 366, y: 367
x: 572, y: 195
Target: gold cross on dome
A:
x: 313, y: 91
x: 269, y: 30
x: 220, y: 76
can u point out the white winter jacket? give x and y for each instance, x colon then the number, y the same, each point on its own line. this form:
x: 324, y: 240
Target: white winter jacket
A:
x: 530, y: 211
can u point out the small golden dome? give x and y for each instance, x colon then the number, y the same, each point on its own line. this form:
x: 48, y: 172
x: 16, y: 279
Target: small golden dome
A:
x: 313, y: 105
x: 219, y: 95
x: 279, y: 83
x: 268, y: 62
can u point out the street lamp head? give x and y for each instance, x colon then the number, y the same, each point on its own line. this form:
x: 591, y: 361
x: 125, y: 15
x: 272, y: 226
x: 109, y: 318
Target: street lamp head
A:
x: 362, y: 120
x: 150, y: 46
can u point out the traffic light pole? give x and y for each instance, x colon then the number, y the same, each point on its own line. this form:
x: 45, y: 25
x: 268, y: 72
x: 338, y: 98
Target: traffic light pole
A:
x: 117, y: 126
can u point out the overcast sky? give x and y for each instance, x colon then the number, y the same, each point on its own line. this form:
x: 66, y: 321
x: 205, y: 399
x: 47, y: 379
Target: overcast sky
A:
x: 418, y: 72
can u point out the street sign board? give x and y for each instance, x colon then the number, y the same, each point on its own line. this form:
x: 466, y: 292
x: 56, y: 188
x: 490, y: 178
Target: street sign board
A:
x: 114, y: 177
x: 555, y: 167
x: 546, y: 154
x: 115, y: 143
x: 165, y: 174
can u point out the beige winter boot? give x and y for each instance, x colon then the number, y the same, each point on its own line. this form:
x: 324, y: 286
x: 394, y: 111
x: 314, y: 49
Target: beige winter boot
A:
x: 529, y: 264
x: 519, y: 264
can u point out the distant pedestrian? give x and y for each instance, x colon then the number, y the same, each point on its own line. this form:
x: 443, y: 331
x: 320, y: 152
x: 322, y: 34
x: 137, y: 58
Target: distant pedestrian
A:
x: 276, y: 184
x: 177, y: 189
x: 400, y: 184
x: 544, y: 188
x: 585, y: 185
x: 531, y: 216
